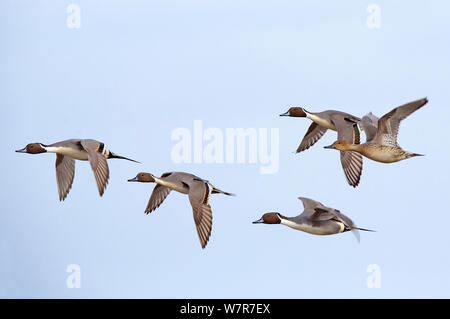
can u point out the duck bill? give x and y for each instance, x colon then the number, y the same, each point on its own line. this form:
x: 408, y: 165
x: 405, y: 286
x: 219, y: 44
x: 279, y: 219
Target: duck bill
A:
x: 285, y: 114
x: 22, y: 150
x: 330, y: 147
x: 259, y: 221
x: 135, y: 179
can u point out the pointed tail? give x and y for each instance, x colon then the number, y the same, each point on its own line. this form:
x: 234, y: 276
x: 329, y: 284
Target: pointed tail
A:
x: 112, y: 155
x: 363, y: 229
x: 218, y: 191
x: 416, y: 154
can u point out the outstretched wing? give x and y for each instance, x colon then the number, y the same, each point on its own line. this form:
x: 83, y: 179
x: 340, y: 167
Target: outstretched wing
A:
x: 314, y: 133
x: 98, y: 164
x: 389, y: 123
x: 199, y: 192
x: 309, y: 203
x: 369, y: 124
x: 159, y: 194
x: 65, y: 172
x: 327, y: 213
x: 351, y: 162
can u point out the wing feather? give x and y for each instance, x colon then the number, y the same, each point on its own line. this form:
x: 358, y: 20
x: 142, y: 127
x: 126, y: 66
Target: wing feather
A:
x: 65, y: 172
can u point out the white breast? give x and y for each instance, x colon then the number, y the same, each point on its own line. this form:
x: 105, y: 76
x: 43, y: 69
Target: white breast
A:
x: 176, y: 186
x: 302, y: 227
x: 69, y: 152
x: 310, y: 229
x: 320, y: 121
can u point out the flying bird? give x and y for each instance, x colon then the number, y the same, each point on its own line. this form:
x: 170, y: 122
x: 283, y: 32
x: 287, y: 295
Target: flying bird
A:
x: 381, y: 144
x: 198, y: 190
x: 315, y: 219
x: 76, y: 149
x: 351, y: 162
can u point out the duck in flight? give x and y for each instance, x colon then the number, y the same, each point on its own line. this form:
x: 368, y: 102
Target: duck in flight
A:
x: 381, y: 135
x: 351, y: 162
x: 76, y: 149
x: 316, y: 219
x: 198, y: 190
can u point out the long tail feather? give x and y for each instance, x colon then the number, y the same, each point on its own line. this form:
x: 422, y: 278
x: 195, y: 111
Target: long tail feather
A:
x: 216, y: 190
x: 112, y: 155
x: 363, y: 229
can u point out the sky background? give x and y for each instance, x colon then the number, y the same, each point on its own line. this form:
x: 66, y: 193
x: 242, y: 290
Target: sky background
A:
x: 137, y: 70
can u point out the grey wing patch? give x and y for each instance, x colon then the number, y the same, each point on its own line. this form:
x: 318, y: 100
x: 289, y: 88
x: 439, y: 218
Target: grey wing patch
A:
x: 199, y: 193
x: 389, y: 124
x: 348, y: 223
x: 65, y: 172
x: 98, y: 164
x: 372, y: 118
x: 321, y: 213
x: 309, y: 203
x: 347, y: 130
x: 369, y: 124
x: 352, y: 162
x: 159, y: 194
x: 314, y: 133
x: 338, y: 216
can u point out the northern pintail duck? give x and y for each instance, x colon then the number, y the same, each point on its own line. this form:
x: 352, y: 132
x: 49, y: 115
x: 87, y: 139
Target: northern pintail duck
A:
x: 76, y: 149
x: 351, y: 162
x: 198, y: 190
x: 381, y: 136
x: 316, y: 219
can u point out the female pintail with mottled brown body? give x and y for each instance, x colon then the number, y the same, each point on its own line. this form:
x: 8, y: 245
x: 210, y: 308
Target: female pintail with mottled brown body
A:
x: 198, y: 190
x: 316, y: 219
x: 381, y: 137
x: 76, y: 149
x: 334, y: 120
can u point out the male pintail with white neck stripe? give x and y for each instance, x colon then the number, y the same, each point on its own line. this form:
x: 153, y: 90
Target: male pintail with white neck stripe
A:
x: 76, y: 149
x: 198, y: 190
x: 337, y: 121
x: 316, y: 219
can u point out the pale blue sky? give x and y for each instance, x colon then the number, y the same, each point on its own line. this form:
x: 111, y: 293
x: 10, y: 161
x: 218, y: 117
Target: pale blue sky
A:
x: 136, y: 70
